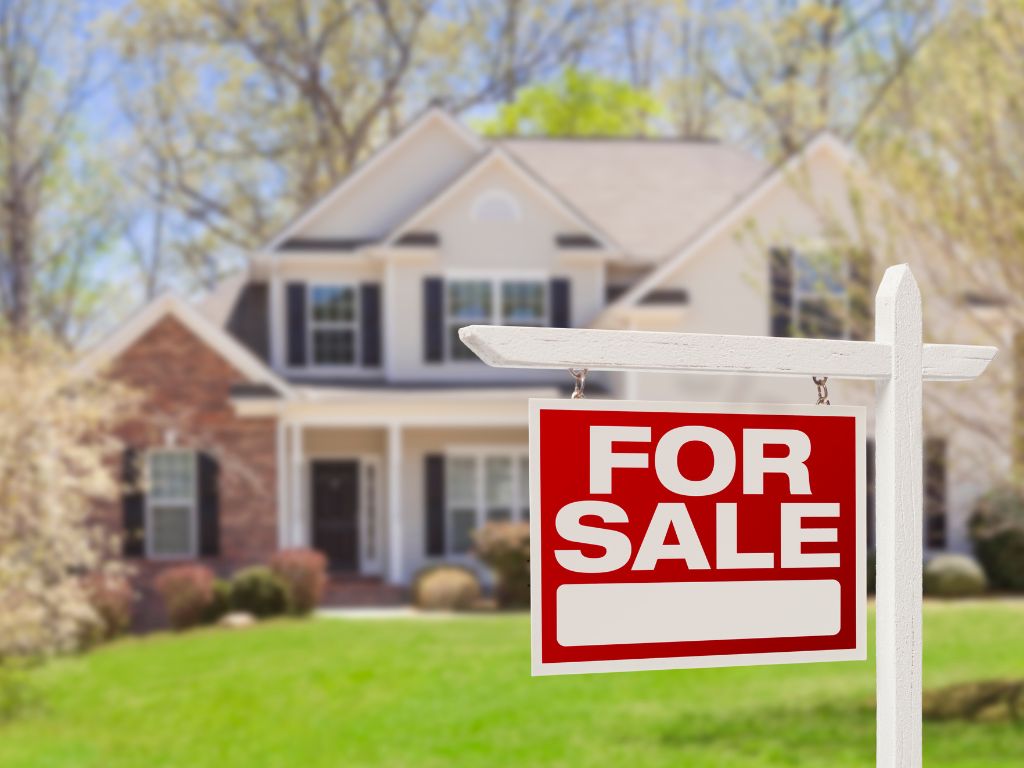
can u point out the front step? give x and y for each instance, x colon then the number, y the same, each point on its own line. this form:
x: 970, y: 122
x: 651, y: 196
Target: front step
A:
x: 362, y: 591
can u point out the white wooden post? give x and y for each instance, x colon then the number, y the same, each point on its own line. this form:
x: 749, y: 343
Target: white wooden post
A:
x: 896, y: 359
x: 899, y: 524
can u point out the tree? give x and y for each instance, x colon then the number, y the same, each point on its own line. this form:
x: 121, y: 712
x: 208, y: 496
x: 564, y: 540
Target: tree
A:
x: 951, y: 161
x: 786, y: 70
x: 243, y: 113
x: 51, y: 226
x: 56, y: 454
x: 577, y: 104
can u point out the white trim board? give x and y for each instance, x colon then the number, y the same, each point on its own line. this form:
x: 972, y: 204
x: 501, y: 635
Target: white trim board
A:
x: 170, y: 305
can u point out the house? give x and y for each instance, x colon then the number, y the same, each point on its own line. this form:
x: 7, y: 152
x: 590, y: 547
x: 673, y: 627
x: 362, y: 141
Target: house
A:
x: 324, y: 399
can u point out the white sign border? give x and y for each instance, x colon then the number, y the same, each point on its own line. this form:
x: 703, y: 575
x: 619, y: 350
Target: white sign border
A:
x: 540, y: 668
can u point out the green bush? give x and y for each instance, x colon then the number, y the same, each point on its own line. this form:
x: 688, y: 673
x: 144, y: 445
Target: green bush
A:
x: 304, y: 572
x: 953, y: 576
x: 505, y: 547
x: 220, y: 604
x: 259, y: 591
x: 446, y: 588
x: 997, y: 530
x: 187, y: 593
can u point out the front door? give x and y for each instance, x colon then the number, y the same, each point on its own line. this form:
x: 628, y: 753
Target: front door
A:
x: 336, y: 513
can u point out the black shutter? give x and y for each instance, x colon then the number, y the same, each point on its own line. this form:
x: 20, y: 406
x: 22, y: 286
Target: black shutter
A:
x: 209, y: 506
x: 433, y: 319
x: 435, y: 527
x: 133, y: 506
x: 860, y: 295
x: 780, y: 282
x: 370, y: 324
x: 296, y: 324
x: 561, y: 302
x: 935, y: 492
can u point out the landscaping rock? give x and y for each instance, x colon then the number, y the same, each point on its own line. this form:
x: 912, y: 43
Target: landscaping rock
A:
x: 237, y: 620
x: 983, y: 701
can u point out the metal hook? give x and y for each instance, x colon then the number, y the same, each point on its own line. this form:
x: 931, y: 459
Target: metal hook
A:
x: 820, y: 383
x: 580, y: 376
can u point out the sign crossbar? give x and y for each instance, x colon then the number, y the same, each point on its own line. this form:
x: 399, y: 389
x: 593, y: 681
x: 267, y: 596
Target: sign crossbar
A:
x: 897, y: 360
x: 603, y: 350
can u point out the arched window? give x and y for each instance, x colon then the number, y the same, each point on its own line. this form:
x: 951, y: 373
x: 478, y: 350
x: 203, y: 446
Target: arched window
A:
x: 496, y: 205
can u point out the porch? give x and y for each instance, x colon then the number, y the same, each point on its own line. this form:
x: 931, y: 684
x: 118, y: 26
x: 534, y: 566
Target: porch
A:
x: 385, y: 498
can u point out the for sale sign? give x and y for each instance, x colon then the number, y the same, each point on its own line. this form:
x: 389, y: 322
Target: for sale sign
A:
x: 672, y: 535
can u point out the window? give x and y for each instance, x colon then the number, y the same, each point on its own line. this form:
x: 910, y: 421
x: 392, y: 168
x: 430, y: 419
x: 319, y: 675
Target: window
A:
x: 171, y: 504
x: 496, y: 205
x: 935, y: 493
x: 820, y: 303
x: 492, y: 302
x: 332, y: 324
x: 484, y: 488
x: 469, y: 302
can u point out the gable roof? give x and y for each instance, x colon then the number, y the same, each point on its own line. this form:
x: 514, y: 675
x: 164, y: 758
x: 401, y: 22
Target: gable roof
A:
x: 649, y: 195
x: 492, y: 157
x: 732, y: 215
x: 170, y: 305
x: 429, y: 116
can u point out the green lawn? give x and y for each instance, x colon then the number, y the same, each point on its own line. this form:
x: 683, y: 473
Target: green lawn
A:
x: 458, y: 692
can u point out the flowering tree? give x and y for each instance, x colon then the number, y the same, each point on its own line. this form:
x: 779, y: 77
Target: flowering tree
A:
x: 56, y: 449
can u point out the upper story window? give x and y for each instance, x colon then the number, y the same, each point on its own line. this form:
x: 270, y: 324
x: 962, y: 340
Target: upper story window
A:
x: 820, y: 300
x: 333, y: 314
x: 496, y: 205
x: 820, y: 293
x: 492, y: 302
x: 171, y: 503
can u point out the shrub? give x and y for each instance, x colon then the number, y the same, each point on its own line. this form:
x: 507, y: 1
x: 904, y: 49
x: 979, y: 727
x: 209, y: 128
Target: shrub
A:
x: 187, y: 594
x: 304, y: 573
x: 220, y: 604
x: 505, y: 547
x: 953, y: 576
x: 259, y: 591
x: 872, y: 564
x: 997, y: 529
x: 111, y: 597
x: 446, y: 588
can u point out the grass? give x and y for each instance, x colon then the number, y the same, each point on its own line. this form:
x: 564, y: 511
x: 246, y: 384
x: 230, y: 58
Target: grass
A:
x: 458, y: 692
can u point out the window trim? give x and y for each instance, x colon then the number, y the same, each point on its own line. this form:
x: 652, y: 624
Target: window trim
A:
x: 497, y: 282
x: 193, y: 504
x: 797, y: 295
x: 313, y: 325
x: 479, y: 455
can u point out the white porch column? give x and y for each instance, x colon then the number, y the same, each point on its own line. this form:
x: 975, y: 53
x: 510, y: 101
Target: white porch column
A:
x: 283, y: 517
x: 299, y: 537
x: 395, y: 475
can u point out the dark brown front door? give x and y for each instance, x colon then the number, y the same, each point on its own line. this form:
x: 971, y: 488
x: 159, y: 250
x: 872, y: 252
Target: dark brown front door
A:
x: 336, y: 513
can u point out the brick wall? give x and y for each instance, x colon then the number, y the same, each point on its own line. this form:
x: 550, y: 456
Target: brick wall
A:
x: 185, y: 388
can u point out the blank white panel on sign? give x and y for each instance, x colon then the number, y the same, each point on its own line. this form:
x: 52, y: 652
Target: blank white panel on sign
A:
x: 666, y: 612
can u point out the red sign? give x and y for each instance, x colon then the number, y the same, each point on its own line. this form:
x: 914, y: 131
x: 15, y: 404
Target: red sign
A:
x: 675, y: 535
